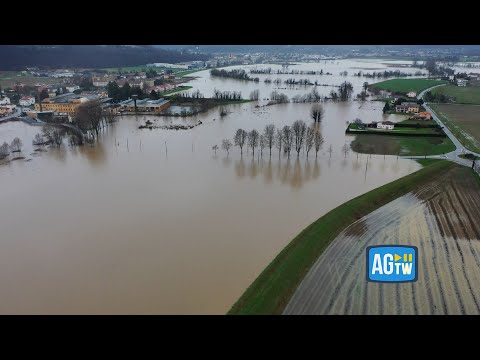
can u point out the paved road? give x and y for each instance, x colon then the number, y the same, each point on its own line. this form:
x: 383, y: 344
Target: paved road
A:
x: 459, y: 149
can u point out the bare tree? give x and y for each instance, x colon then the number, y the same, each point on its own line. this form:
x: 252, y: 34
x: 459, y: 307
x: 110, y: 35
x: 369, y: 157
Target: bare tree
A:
x: 299, y: 129
x: 38, y: 140
x: 223, y: 112
x: 253, y: 137
x: 4, y: 150
x: 16, y: 145
x: 269, y: 134
x: 255, y: 95
x: 215, y: 148
x: 316, y: 113
x: 287, y: 139
x: 333, y: 95
x: 226, y: 145
x: 53, y: 135
x: 240, y: 138
x: 345, y: 149
x: 309, y: 139
x: 263, y: 144
x: 365, y: 86
x: 318, y: 141
x: 330, y: 150
x: 345, y: 91
x: 109, y: 116
x: 89, y: 116
x: 76, y: 139
x: 279, y: 141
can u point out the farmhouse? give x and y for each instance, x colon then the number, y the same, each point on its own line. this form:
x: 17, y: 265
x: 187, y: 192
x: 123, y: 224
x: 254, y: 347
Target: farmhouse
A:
x: 423, y: 115
x: 408, y: 107
x: 412, y: 94
x: 27, y: 101
x: 385, y: 125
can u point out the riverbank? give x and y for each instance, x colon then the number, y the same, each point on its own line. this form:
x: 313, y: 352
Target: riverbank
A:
x: 403, y: 86
x: 273, y: 288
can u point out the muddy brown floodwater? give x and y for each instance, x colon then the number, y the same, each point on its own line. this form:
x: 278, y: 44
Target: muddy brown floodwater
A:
x: 441, y: 219
x: 141, y: 230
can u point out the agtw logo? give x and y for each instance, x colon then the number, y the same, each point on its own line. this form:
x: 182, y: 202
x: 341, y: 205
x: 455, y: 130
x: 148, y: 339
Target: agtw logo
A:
x: 392, y: 263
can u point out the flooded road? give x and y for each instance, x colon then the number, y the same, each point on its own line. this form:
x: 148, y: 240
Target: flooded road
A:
x: 165, y: 225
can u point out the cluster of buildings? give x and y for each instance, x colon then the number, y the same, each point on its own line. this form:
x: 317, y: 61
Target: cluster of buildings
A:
x: 145, y: 105
x: 408, y: 108
x: 6, y: 107
x: 139, y: 81
x: 65, y: 104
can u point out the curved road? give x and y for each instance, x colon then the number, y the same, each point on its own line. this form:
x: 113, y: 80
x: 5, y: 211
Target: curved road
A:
x: 459, y: 148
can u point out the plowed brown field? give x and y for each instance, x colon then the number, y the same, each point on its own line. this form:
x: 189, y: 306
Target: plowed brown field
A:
x: 441, y: 219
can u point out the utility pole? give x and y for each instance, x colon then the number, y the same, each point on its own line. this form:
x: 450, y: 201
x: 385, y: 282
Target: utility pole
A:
x: 135, y: 97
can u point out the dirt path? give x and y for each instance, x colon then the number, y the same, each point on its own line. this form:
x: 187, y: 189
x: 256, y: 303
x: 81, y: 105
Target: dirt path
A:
x: 441, y: 220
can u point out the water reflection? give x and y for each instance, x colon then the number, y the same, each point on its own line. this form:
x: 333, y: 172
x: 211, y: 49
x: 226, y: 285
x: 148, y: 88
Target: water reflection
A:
x: 292, y: 171
x: 96, y: 155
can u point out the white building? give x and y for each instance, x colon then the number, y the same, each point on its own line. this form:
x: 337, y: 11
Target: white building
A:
x: 27, y: 101
x: 73, y: 88
x: 385, y: 125
x: 461, y: 82
x: 4, y: 101
x: 412, y: 94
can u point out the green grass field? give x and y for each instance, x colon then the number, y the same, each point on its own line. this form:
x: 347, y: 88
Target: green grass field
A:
x: 187, y: 72
x: 8, y: 79
x: 403, y: 86
x: 401, y: 145
x: 421, y: 122
x: 462, y: 95
x: 410, y: 130
x: 463, y: 121
x: 273, y: 288
x: 173, y: 91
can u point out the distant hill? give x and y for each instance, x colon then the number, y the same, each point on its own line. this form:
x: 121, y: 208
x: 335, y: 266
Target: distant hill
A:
x: 16, y: 57
x: 328, y: 49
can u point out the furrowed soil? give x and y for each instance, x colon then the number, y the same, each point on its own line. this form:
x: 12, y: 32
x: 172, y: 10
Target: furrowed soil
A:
x: 441, y: 219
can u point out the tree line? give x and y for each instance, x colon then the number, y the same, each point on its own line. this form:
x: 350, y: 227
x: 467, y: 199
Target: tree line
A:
x: 387, y: 73
x: 227, y: 95
x: 289, y: 138
x: 234, y: 74
x: 126, y: 91
x: 269, y: 71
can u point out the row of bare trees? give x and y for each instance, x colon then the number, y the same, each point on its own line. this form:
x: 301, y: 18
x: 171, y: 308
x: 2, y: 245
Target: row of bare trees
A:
x: 297, y: 137
x: 227, y: 95
x: 278, y: 98
x: 269, y: 71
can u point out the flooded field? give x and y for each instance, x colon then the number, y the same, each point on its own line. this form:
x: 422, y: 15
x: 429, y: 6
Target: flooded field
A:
x: 441, y: 220
x: 153, y: 221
